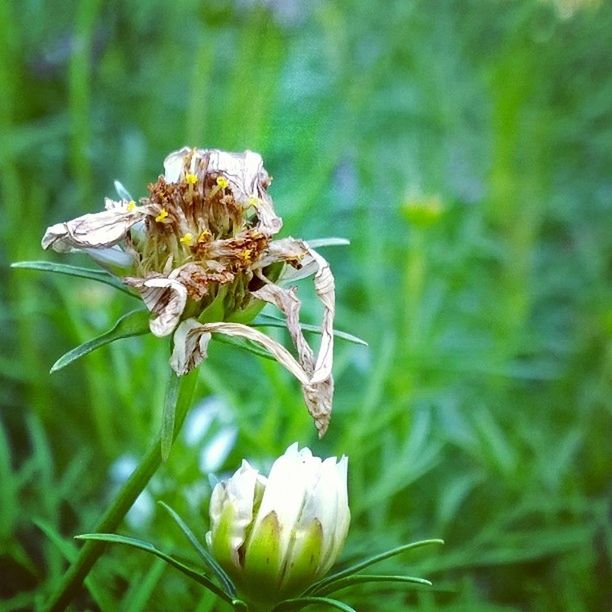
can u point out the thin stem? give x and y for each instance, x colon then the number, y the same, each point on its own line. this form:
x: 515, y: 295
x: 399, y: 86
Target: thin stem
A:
x: 135, y: 484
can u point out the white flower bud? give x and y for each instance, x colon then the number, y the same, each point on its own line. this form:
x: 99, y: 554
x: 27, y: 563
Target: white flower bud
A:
x: 275, y: 536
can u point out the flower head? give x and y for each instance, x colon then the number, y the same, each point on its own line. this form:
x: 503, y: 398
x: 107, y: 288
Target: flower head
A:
x: 199, y: 250
x: 277, y: 535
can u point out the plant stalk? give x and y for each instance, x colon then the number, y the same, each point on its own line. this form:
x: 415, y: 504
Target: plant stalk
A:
x: 134, y: 485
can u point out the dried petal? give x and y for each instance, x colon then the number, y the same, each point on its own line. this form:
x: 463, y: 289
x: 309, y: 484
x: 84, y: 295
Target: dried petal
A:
x: 190, y: 347
x: 103, y: 229
x: 191, y: 331
x: 319, y: 390
x: 164, y: 297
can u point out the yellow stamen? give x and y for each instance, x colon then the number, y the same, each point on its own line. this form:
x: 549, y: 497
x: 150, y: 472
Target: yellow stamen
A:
x: 187, y: 239
x: 191, y: 179
x: 245, y: 255
x: 253, y: 201
x: 222, y: 182
x: 131, y: 205
x: 163, y: 215
x: 204, y: 236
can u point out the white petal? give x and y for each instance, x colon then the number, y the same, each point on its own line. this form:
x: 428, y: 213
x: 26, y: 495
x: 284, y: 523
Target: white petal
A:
x: 174, y: 164
x: 290, y: 478
x: 112, y: 257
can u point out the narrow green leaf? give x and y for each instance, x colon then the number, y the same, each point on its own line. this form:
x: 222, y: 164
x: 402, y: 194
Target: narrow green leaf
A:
x: 266, y: 320
x: 317, y: 587
x: 349, y: 581
x: 69, y: 551
x: 204, y: 554
x: 244, y: 345
x: 135, y: 323
x: 301, y: 602
x: 153, y: 550
x: 167, y: 428
x: 100, y: 276
x: 316, y: 243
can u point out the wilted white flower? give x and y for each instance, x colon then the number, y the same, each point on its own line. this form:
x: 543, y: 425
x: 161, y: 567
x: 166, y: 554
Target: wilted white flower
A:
x: 275, y: 536
x: 199, y: 250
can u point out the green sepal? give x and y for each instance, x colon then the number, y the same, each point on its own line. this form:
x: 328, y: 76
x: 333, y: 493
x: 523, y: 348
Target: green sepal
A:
x: 221, y: 544
x: 303, y: 560
x: 100, y: 276
x: 301, y: 602
x: 199, y: 577
x: 135, y: 323
x: 323, y: 584
x: 201, y: 550
x: 263, y: 561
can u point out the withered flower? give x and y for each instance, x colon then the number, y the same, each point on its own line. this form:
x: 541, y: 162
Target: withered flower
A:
x: 199, y: 250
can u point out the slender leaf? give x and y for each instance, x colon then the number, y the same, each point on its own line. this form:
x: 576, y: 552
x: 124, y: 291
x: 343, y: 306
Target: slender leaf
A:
x: 153, y: 550
x: 316, y: 243
x: 135, y: 323
x: 69, y: 551
x: 266, y: 320
x: 349, y: 581
x: 204, y: 554
x: 301, y: 602
x: 100, y: 276
x: 245, y: 345
x: 353, y: 569
x: 168, y: 416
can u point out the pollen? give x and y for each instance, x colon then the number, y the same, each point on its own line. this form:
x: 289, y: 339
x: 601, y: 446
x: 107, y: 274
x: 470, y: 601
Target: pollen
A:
x: 131, y: 205
x: 163, y: 215
x: 222, y: 182
x: 191, y: 179
x: 253, y: 201
x: 187, y: 239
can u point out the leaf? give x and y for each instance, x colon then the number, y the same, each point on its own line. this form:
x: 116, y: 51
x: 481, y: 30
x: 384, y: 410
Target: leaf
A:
x: 204, y: 554
x: 316, y: 243
x: 353, y: 569
x: 69, y: 551
x: 343, y: 583
x: 266, y: 320
x: 135, y: 323
x: 301, y: 602
x: 100, y: 276
x: 167, y: 428
x: 245, y: 345
x: 153, y: 550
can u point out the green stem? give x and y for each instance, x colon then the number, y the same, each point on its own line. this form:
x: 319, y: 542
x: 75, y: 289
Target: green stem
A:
x: 92, y: 549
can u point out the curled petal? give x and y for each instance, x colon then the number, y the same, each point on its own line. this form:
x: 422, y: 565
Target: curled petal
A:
x: 190, y: 347
x: 103, y: 229
x: 165, y: 298
x: 318, y: 392
x: 191, y: 332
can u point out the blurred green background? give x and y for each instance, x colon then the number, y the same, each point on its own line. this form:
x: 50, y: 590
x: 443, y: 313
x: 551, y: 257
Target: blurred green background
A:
x: 465, y: 149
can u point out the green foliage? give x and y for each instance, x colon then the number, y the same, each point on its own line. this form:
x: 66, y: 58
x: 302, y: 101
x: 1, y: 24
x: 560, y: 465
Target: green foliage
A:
x: 464, y: 148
